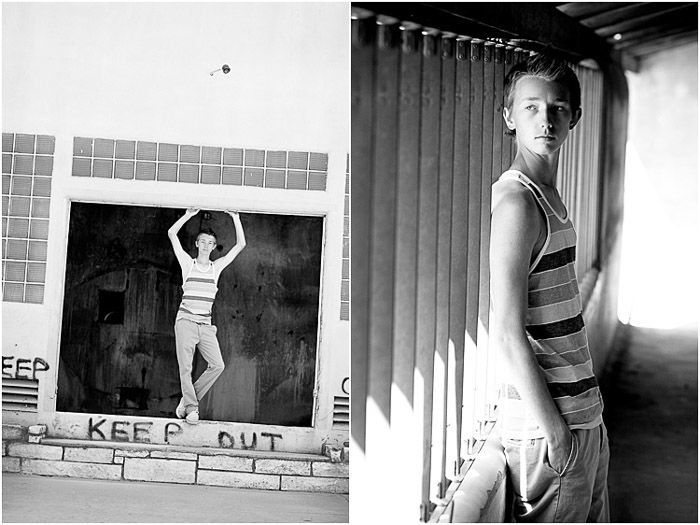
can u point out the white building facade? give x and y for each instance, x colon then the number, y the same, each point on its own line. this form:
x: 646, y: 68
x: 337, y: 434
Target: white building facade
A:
x: 118, y: 117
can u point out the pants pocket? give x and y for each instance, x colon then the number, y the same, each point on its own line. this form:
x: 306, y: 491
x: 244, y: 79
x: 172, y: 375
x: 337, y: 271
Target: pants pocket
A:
x: 573, y: 454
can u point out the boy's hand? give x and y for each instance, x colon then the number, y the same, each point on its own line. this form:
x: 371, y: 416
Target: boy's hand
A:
x: 559, y: 452
x: 192, y: 211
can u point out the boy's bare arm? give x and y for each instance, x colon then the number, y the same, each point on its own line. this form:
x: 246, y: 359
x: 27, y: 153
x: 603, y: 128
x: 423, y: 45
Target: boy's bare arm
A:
x: 224, y: 261
x: 180, y: 253
x: 515, y: 227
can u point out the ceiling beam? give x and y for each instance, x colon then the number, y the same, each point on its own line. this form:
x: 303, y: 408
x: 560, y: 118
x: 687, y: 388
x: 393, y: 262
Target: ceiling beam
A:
x: 645, y: 35
x: 579, y: 10
x: 619, y: 14
x: 678, y: 13
x: 662, y: 44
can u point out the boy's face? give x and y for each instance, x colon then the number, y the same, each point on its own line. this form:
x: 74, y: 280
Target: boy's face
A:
x: 205, y: 243
x: 541, y: 114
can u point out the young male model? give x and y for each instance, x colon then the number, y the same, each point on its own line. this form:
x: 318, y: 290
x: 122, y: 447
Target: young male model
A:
x: 551, y: 413
x: 193, y: 326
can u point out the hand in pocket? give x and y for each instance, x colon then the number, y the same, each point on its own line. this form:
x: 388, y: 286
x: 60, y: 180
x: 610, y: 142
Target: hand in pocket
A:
x: 559, y: 456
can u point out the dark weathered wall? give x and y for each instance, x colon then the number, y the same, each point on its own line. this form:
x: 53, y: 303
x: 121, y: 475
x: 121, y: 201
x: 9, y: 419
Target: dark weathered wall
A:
x: 266, y: 312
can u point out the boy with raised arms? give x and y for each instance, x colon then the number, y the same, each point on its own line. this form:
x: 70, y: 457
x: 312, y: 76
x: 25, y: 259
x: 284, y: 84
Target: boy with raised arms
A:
x: 193, y: 326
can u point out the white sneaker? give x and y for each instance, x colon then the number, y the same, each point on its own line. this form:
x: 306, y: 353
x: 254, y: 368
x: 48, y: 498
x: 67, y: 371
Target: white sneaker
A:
x: 193, y: 417
x: 180, y: 409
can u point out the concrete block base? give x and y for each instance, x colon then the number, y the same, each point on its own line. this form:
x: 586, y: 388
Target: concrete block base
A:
x: 176, y: 464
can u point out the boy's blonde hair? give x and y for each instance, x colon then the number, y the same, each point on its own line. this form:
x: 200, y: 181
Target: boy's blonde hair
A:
x: 547, y: 68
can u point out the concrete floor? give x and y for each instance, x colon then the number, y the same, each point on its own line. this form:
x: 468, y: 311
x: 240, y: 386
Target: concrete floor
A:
x: 40, y: 499
x: 651, y: 411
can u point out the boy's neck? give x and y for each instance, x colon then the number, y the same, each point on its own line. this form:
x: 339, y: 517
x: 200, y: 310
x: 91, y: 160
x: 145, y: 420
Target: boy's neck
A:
x: 202, y: 261
x: 541, y: 170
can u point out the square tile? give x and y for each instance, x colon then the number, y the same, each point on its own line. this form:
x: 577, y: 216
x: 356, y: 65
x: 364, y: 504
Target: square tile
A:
x: 318, y: 161
x: 253, y: 177
x: 40, y: 207
x: 296, y: 180
x: 39, y: 229
x: 276, y: 159
x: 255, y: 158
x: 24, y: 165
x: 146, y: 171
x: 146, y: 150
x: 37, y: 251
x: 211, y: 174
x: 82, y: 167
x: 190, y: 154
x: 34, y: 293
x: 21, y: 185
x: 82, y: 147
x: 8, y: 142
x: 317, y: 181
x: 168, y: 152
x: 104, y: 148
x: 233, y: 156
x: 125, y: 149
x: 274, y: 178
x: 102, y: 168
x: 232, y: 175
x: 24, y: 143
x: 43, y: 165
x: 7, y: 163
x: 298, y: 160
x: 189, y: 173
x: 19, y: 206
x: 45, y: 144
x: 167, y: 172
x: 124, y: 169
x: 211, y: 155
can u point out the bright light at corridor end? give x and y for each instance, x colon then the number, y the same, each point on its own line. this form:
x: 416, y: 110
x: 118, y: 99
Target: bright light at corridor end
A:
x: 659, y: 266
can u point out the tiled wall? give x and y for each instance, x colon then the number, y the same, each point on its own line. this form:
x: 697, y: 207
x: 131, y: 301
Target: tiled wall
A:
x: 345, y: 282
x: 140, y: 160
x: 27, y: 165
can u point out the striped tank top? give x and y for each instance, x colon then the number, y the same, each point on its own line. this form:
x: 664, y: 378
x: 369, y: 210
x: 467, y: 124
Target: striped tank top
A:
x: 556, y: 331
x: 199, y: 290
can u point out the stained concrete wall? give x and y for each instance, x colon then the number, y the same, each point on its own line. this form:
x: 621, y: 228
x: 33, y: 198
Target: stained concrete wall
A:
x: 266, y: 313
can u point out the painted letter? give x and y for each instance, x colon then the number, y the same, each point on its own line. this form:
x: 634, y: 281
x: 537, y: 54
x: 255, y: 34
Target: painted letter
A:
x: 119, y: 434
x: 39, y: 361
x: 4, y: 366
x: 95, y: 428
x: 168, y: 432
x: 142, y: 427
x: 226, y: 440
x: 20, y: 362
x: 272, y: 438
x: 253, y: 445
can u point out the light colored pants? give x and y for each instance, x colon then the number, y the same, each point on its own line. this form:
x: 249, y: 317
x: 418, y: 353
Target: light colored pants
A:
x: 189, y: 334
x: 578, y: 494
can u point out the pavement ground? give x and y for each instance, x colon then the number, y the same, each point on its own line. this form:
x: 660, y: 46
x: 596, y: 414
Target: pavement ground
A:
x: 38, y: 499
x: 651, y: 411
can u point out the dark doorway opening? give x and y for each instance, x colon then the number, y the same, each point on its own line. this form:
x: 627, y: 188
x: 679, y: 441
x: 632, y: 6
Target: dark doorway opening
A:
x: 122, y: 291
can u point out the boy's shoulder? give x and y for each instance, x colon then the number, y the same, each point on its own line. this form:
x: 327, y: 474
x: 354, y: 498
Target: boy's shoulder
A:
x: 512, y: 197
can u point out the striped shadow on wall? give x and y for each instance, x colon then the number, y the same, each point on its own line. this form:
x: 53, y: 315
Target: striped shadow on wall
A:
x: 427, y: 143
x: 143, y: 160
